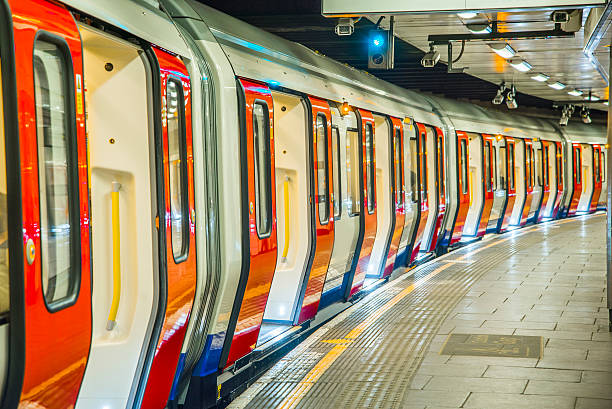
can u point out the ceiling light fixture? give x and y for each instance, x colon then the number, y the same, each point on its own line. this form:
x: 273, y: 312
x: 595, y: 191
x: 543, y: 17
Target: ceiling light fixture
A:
x: 575, y: 93
x: 479, y: 28
x: 504, y: 50
x: 592, y: 98
x: 540, y: 77
x: 556, y: 85
x: 467, y: 14
x: 520, y: 64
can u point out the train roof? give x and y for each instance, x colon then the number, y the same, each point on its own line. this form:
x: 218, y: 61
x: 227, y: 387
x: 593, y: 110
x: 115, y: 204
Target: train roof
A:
x: 577, y: 132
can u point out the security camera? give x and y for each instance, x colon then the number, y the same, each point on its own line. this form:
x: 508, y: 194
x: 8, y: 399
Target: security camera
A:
x: 431, y: 58
x: 559, y: 17
x: 499, y: 97
x: 511, y: 101
x: 345, y: 26
x: 585, y: 114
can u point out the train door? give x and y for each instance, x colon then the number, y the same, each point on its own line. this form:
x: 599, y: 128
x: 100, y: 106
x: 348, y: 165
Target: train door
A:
x: 536, y: 177
x: 259, y: 212
x: 367, y: 199
x: 511, y: 184
x: 476, y: 183
x: 559, y: 174
x: 549, y: 191
x: 50, y: 273
x: 604, y: 184
x: 430, y: 232
x: 440, y: 166
x: 345, y: 168
x: 463, y: 185
x: 499, y: 168
x: 385, y: 206
x: 529, y: 169
x: 522, y: 181
x: 588, y: 179
x: 597, y: 180
x: 323, y: 212
x: 576, y: 172
x: 489, y: 182
x: 398, y: 193
x: 423, y: 189
x: 411, y: 191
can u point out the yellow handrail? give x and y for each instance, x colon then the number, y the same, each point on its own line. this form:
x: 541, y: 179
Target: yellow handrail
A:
x: 286, y: 202
x: 112, y: 315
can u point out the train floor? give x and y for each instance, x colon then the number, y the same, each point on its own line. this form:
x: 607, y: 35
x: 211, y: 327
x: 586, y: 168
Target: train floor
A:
x: 515, y: 321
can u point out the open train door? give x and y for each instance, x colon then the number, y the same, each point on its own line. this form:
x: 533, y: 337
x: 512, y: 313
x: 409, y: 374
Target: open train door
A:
x: 489, y: 182
x: 576, y: 172
x: 463, y: 186
x: 596, y: 177
x: 422, y: 175
x: 511, y: 182
x: 51, y: 294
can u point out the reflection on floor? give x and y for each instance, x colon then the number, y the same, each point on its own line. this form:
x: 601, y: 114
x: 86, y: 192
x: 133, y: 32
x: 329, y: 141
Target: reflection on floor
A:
x: 270, y: 330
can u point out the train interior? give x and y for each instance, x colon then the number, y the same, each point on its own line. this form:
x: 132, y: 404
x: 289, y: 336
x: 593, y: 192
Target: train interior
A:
x: 4, y: 272
x: 431, y: 189
x: 292, y: 213
x: 584, y: 203
x: 475, y: 183
x: 520, y: 182
x: 384, y: 203
x: 117, y: 82
x: 345, y: 151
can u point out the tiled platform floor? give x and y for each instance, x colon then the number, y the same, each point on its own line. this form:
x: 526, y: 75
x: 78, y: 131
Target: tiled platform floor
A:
x: 547, y: 280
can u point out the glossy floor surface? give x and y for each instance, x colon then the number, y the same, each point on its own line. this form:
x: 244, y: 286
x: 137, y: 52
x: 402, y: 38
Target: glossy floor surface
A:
x: 391, y: 349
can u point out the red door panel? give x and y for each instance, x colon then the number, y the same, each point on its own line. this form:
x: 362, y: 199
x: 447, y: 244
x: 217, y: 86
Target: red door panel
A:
x: 180, y: 262
x: 529, y: 179
x: 577, y: 175
x: 463, y: 185
x: 369, y: 200
x: 488, y: 146
x: 263, y: 250
x: 324, y: 223
x: 398, y: 193
x: 57, y: 333
x: 422, y: 158
x: 510, y: 181
x: 558, y: 169
x: 545, y: 172
x: 440, y: 186
x: 596, y: 177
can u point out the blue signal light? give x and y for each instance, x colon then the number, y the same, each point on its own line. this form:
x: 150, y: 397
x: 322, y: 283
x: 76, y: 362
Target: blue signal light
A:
x: 378, y: 40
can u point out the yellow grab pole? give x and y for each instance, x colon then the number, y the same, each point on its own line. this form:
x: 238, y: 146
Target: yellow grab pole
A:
x: 112, y: 315
x: 286, y: 202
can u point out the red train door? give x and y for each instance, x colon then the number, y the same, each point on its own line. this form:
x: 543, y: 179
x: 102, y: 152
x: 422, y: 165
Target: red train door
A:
x: 511, y: 181
x: 369, y: 198
x: 324, y: 220
x: 529, y: 179
x: 422, y: 167
x: 463, y: 185
x: 596, y: 177
x: 178, y: 224
x: 489, y: 177
x: 547, y: 146
x: 577, y: 175
x: 559, y: 174
x: 260, y: 249
x: 55, y: 207
x: 398, y: 193
x: 440, y: 185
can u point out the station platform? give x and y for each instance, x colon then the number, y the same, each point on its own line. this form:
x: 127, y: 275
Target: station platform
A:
x: 514, y: 321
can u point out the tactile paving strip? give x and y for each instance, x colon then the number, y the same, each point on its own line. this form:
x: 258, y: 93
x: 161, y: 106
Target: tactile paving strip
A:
x: 375, y: 368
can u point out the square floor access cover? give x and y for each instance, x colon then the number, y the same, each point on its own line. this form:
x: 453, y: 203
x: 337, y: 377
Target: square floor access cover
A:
x: 509, y: 346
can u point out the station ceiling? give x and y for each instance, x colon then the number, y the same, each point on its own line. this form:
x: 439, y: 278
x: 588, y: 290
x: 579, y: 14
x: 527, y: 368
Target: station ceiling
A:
x: 302, y: 22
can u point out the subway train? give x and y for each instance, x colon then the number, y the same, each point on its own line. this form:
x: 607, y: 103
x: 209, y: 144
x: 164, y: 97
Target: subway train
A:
x: 185, y: 195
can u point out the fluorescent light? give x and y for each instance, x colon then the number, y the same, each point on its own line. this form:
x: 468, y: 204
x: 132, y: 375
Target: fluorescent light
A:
x: 556, y: 85
x: 520, y: 64
x: 575, y: 93
x: 540, y: 77
x: 482, y: 28
x: 592, y: 98
x: 467, y: 14
x: 503, y: 50
x: 606, y: 103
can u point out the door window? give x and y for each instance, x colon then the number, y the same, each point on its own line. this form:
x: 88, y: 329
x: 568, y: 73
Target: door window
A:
x: 511, y: 169
x: 528, y: 159
x: 559, y: 166
x: 370, y: 172
x: 322, y: 190
x: 57, y: 173
x: 487, y: 165
x: 603, y: 167
x: 397, y: 161
x: 577, y: 168
x: 4, y: 268
x: 442, y: 181
x: 412, y: 145
x: 423, y: 166
x: 336, y: 175
x: 503, y: 168
x: 545, y: 165
x: 464, y: 166
x: 597, y: 163
x: 177, y: 163
x: 263, y: 185
x: 352, y: 171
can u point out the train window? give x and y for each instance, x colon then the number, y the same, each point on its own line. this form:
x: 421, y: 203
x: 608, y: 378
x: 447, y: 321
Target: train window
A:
x: 352, y: 171
x: 538, y: 169
x: 370, y: 171
x: 177, y: 163
x: 487, y: 165
x: 559, y: 166
x: 4, y: 276
x: 532, y: 166
x: 423, y: 165
x: 336, y: 173
x: 322, y: 175
x: 441, y: 166
x: 262, y: 161
x: 545, y: 164
x: 596, y: 161
x: 503, y: 168
x: 464, y: 166
x: 604, y: 169
x: 494, y: 167
x: 57, y: 172
x: 511, y: 169
x: 413, y: 171
x: 529, y: 159
x: 397, y: 161
x: 577, y: 166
